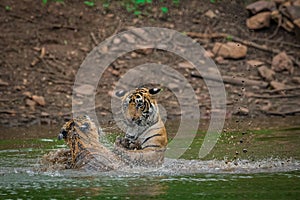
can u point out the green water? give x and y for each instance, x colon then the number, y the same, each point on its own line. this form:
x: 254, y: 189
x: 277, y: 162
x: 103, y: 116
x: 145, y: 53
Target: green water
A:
x: 269, y: 169
x: 201, y: 186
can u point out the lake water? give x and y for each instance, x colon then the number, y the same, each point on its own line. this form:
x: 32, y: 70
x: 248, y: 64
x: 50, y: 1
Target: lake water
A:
x: 253, y: 159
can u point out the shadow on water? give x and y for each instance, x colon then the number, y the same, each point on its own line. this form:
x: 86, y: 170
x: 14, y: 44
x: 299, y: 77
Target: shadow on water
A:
x: 252, y: 159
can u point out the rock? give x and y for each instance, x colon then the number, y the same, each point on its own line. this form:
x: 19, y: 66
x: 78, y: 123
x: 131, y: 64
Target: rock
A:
x: 277, y: 85
x: 145, y: 51
x: 267, y: 105
x: 261, y: 20
x: 210, y: 14
x: 259, y: 6
x: 293, y: 12
x: 39, y: 100
x: 220, y: 60
x: 115, y: 72
x: 134, y: 55
x: 30, y: 103
x: 208, y: 54
x: 297, y: 28
x: 266, y: 73
x: 230, y: 50
x: 255, y: 63
x: 296, y: 80
x: 27, y: 94
x: 45, y: 114
x: 242, y: 111
x: 185, y: 65
x: 287, y: 24
x: 282, y: 62
x: 296, y: 3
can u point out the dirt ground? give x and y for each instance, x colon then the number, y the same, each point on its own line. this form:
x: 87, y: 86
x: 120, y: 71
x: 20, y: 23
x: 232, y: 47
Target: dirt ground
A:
x: 43, y: 45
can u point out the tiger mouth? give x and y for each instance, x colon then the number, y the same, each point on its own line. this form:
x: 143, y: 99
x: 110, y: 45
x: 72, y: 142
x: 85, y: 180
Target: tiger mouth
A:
x: 132, y: 122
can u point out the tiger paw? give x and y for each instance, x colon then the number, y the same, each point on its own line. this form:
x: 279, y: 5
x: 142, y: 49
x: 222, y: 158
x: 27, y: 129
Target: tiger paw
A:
x: 135, y: 145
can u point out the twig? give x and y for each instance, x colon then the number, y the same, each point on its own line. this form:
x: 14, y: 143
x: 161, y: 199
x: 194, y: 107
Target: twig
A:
x: 277, y: 28
x: 274, y: 96
x: 118, y: 27
x: 283, y: 89
x: 62, y: 82
x: 233, y: 38
x: 94, y: 38
x: 234, y: 80
x: 8, y: 111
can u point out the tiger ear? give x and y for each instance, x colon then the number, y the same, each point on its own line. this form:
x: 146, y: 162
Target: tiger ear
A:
x: 120, y: 93
x: 154, y: 91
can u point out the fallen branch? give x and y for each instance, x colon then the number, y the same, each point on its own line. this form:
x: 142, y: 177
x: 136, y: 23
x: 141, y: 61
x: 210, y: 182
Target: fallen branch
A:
x: 233, y: 38
x: 94, y: 38
x: 234, y: 80
x: 283, y: 89
x: 274, y: 96
x: 291, y: 112
x: 12, y: 112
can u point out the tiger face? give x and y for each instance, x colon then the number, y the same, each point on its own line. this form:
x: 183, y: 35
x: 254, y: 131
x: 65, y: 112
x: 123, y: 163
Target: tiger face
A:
x: 139, y: 106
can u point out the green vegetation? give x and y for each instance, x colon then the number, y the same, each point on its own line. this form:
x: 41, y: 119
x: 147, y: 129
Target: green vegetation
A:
x: 136, y: 7
x: 7, y: 8
x: 89, y: 3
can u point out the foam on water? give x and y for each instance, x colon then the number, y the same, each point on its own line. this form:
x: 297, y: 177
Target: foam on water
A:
x: 179, y: 167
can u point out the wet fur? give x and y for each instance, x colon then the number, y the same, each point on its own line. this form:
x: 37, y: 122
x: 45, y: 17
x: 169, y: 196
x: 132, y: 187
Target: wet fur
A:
x: 144, y: 142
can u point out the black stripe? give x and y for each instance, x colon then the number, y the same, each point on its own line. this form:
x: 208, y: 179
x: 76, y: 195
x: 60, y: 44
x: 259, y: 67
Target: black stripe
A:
x: 150, y: 146
x: 152, y: 136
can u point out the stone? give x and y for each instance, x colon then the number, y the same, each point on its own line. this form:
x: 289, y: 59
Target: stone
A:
x: 210, y: 14
x: 220, y: 60
x: 287, y: 24
x: 185, y: 65
x: 266, y: 73
x: 230, y: 50
x: 30, y: 103
x: 27, y: 94
x: 45, y: 114
x: 259, y: 6
x: 282, y: 62
x: 255, y: 63
x: 261, y: 20
x: 242, y: 111
x: 293, y: 12
x: 277, y: 85
x: 39, y: 100
x: 115, y: 72
x: 297, y: 28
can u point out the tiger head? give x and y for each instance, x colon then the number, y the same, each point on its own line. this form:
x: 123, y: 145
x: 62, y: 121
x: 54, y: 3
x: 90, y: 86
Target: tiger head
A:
x: 139, y: 106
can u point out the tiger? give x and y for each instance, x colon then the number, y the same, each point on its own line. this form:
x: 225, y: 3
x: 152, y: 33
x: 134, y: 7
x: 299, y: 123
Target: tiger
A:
x: 144, y: 142
x: 146, y: 138
x: 86, y: 152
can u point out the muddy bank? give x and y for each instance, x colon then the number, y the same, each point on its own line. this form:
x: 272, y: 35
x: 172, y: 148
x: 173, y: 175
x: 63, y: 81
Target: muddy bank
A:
x: 43, y: 46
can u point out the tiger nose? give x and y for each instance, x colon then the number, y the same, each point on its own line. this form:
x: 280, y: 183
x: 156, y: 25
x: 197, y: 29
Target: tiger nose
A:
x: 139, y: 101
